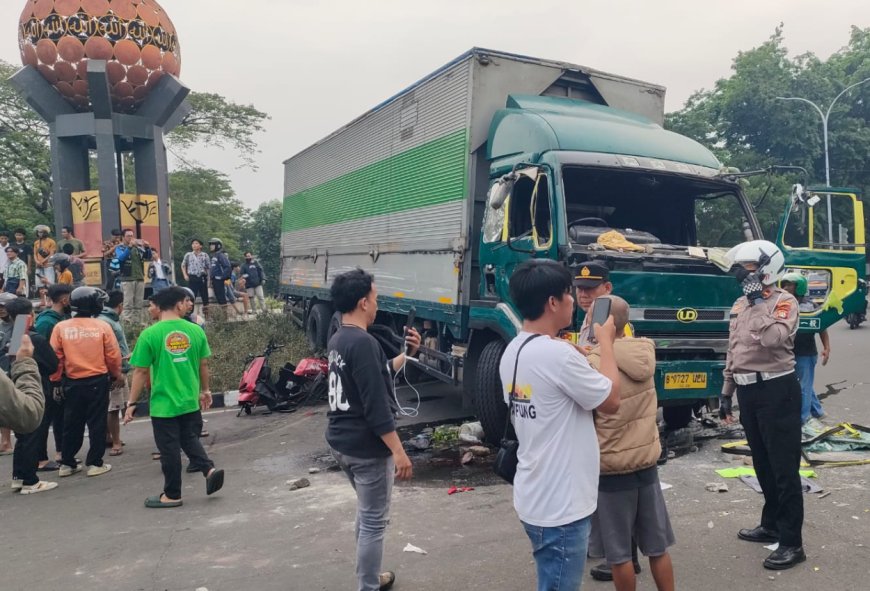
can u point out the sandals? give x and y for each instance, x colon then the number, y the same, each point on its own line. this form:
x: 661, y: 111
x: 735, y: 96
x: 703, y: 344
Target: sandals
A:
x: 51, y: 466
x: 214, y: 481
x: 155, y: 503
x: 116, y: 452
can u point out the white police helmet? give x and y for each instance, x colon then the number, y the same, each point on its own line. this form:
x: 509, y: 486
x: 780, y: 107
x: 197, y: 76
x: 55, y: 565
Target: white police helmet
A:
x: 767, y: 255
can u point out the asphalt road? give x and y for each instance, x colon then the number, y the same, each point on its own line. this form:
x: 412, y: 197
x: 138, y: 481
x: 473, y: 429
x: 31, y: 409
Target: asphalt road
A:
x: 94, y: 534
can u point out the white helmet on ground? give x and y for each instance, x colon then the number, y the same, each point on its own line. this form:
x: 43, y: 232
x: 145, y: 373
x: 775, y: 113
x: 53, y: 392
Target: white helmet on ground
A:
x: 767, y: 255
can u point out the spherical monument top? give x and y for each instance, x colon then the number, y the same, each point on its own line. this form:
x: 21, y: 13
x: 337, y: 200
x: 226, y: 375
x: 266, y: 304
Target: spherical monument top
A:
x: 135, y: 37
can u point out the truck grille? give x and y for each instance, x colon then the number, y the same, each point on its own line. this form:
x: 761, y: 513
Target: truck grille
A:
x: 684, y: 336
x: 671, y: 314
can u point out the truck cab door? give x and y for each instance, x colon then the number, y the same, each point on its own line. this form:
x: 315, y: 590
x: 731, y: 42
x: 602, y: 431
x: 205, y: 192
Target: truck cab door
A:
x: 822, y: 236
x: 526, y: 228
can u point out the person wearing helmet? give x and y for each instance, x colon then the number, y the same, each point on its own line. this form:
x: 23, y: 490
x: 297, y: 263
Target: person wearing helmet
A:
x: 89, y: 359
x: 191, y: 315
x: 805, y: 352
x: 220, y: 272
x: 760, y: 367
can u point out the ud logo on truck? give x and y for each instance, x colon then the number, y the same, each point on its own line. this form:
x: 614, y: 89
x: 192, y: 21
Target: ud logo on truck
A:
x: 687, y: 314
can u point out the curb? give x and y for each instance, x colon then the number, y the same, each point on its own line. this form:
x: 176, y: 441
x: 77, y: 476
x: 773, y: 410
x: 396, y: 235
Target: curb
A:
x: 219, y: 400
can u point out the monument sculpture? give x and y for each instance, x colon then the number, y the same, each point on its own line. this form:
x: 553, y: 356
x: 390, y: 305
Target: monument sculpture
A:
x: 104, y: 75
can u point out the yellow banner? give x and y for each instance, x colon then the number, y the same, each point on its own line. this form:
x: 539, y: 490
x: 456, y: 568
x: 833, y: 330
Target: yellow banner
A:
x: 88, y: 220
x: 139, y: 213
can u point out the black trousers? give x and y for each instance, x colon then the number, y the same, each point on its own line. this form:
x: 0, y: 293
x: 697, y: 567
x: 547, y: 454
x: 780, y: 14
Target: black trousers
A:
x: 53, y: 418
x: 25, y: 458
x: 199, y: 286
x: 87, y: 403
x: 173, y: 435
x: 771, y: 416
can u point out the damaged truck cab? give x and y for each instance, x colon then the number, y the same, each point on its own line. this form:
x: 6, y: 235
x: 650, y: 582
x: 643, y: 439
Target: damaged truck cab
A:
x: 442, y: 190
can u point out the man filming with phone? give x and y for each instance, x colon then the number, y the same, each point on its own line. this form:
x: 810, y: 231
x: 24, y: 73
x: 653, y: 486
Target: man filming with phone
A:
x: 551, y: 391
x: 21, y: 400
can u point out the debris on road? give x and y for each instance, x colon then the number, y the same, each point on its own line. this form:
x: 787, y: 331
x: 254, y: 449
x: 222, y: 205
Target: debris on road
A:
x: 466, y: 458
x: 421, y: 442
x: 665, y: 485
x: 717, y: 487
x: 314, y: 470
x: 471, y: 433
x: 459, y: 489
x: 480, y: 451
x: 412, y: 548
x: 300, y: 483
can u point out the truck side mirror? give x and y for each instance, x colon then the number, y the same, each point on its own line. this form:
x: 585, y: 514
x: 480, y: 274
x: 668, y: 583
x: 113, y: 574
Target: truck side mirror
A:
x: 501, y: 190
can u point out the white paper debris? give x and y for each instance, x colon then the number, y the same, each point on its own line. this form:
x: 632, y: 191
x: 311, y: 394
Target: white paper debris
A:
x: 773, y: 546
x: 413, y: 548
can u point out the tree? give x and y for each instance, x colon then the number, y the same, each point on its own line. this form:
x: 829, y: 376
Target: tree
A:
x: 262, y: 237
x: 25, y: 170
x: 744, y: 123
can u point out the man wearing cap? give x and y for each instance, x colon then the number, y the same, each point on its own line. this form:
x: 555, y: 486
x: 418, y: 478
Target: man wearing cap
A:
x: 591, y: 281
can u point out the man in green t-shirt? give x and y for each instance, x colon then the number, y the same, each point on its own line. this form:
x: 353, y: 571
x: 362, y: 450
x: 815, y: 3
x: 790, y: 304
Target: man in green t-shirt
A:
x: 172, y: 355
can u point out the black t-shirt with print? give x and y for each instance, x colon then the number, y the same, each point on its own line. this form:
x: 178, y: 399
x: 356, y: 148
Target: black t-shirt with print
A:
x: 360, y: 395
x: 805, y: 344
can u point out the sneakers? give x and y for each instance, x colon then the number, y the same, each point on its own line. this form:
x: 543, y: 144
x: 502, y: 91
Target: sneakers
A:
x: 67, y: 471
x: 39, y: 487
x: 99, y: 470
x: 17, y: 484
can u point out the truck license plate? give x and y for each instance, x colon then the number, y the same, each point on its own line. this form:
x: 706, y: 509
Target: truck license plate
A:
x: 684, y: 381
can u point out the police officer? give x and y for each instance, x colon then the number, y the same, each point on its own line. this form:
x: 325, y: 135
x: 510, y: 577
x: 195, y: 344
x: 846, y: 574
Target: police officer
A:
x: 760, y: 367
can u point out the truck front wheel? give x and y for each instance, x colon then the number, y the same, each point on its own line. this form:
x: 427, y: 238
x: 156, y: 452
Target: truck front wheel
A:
x: 489, y: 395
x: 317, y: 326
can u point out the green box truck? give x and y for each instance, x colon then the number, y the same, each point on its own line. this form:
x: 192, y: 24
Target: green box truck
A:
x: 443, y: 189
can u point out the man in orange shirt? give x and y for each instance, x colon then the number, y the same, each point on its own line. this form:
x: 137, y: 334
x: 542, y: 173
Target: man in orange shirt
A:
x: 43, y: 249
x: 88, y: 358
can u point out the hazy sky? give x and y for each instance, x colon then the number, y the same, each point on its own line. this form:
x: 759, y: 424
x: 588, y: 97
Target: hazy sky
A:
x: 314, y: 66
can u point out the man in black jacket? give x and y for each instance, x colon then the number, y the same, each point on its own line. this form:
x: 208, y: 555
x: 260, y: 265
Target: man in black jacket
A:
x: 25, y: 459
x: 254, y: 276
x: 362, y: 428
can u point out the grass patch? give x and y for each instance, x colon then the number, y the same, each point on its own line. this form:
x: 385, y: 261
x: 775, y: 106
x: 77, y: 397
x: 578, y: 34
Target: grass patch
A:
x: 232, y: 342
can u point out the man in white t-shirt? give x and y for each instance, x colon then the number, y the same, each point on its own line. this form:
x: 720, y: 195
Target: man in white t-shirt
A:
x: 551, y: 404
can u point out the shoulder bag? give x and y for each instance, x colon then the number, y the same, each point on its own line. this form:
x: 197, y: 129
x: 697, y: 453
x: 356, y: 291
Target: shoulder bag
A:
x: 506, y: 460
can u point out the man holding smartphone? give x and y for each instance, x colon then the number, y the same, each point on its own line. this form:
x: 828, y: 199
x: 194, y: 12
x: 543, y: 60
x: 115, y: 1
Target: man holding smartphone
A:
x: 551, y: 403
x: 21, y: 399
x: 362, y: 428
x: 25, y: 460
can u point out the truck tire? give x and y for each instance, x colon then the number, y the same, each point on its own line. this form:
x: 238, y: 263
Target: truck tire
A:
x: 677, y: 417
x: 334, y: 325
x: 317, y: 326
x: 489, y: 397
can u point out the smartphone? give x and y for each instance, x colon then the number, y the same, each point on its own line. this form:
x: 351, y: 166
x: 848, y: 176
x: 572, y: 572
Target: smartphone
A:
x: 600, y: 313
x: 22, y: 325
x: 409, y: 324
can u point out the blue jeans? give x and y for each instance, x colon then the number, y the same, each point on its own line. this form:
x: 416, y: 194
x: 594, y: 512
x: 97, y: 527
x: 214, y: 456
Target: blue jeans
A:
x: 560, y: 554
x: 372, y: 479
x: 805, y: 368
x: 158, y: 285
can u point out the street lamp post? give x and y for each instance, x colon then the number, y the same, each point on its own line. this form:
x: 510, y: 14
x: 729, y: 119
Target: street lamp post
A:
x: 825, y: 115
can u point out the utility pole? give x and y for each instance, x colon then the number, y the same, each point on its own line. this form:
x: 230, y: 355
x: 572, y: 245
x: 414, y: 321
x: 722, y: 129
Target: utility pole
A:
x: 825, y: 115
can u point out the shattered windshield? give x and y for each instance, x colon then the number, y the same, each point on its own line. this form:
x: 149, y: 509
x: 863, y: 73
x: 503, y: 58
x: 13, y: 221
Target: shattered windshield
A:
x: 651, y: 209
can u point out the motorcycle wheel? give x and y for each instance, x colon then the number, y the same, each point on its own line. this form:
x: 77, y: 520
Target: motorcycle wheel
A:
x: 247, y: 409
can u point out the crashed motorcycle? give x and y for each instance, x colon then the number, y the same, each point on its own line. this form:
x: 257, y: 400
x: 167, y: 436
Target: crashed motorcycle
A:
x: 294, y: 386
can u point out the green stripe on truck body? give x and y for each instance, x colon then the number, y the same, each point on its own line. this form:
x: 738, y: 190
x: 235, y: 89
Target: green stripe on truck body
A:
x: 432, y: 173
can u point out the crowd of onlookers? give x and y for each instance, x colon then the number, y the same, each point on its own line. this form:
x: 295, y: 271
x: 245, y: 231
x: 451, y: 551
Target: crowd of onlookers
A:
x: 131, y: 265
x: 46, y: 280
